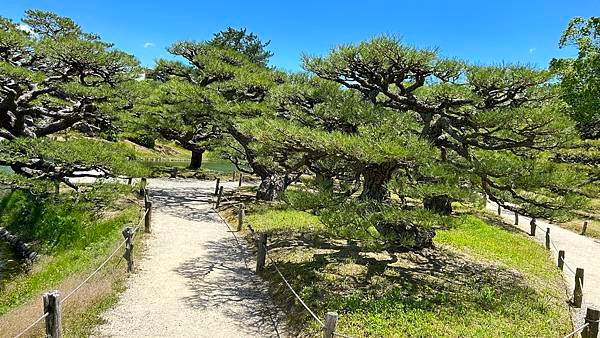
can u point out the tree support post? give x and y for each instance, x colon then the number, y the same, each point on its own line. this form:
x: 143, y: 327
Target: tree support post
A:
x: 547, y: 238
x: 578, y: 292
x: 52, y: 307
x: 219, y: 196
x: 592, y: 316
x: 128, y: 255
x: 330, y: 324
x: 240, y: 181
x: 241, y: 214
x: 217, y: 186
x: 261, y: 256
x: 561, y: 259
x: 148, y: 217
x: 516, y: 218
x: 584, y: 228
x: 143, y: 182
x: 499, y: 210
x: 532, y: 226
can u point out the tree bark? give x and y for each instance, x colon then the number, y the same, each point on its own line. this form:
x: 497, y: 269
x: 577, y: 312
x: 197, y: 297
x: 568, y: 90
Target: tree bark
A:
x: 196, y: 160
x: 441, y: 204
x: 272, y: 187
x: 376, y: 178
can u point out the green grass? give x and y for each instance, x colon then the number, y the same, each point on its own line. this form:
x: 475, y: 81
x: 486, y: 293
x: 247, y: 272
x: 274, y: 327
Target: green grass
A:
x: 479, y: 281
x: 54, y: 269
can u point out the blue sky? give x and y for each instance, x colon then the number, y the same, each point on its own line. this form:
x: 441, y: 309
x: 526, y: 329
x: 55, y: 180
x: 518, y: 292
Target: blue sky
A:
x: 482, y: 31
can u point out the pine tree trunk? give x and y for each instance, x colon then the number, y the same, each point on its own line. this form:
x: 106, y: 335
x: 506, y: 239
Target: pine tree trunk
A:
x: 271, y: 188
x: 196, y: 160
x: 376, y: 178
x: 441, y: 204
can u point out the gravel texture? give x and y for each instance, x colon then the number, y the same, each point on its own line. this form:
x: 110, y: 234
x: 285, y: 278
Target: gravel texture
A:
x: 196, y: 278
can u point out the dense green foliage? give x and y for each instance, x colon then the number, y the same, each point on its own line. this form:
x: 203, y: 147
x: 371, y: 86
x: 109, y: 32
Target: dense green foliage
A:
x: 580, y: 76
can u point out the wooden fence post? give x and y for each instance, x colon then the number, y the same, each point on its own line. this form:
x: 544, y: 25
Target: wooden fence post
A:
x: 174, y: 172
x: 330, y: 324
x: 233, y: 179
x: 241, y: 215
x: 547, y: 238
x: 261, y: 256
x: 592, y: 316
x: 143, y: 182
x: 52, y: 307
x: 57, y: 188
x: 516, y: 218
x: 561, y: 259
x: 240, y: 182
x: 532, y: 226
x: 499, y: 210
x: 584, y: 228
x: 578, y: 292
x: 129, y: 180
x: 217, y: 186
x: 128, y: 233
x: 148, y: 217
x: 219, y: 197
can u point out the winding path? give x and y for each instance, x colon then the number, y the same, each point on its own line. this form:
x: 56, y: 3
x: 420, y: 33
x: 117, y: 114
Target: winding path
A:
x: 195, y: 279
x: 580, y: 252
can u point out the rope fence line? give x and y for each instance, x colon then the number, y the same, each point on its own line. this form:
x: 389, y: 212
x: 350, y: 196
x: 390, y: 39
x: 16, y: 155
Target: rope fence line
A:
x: 53, y: 328
x: 328, y: 328
x: 578, y: 296
x: 577, y: 330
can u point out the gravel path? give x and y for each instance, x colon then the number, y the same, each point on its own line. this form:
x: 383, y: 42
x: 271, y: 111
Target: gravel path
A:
x: 195, y: 279
x: 580, y: 252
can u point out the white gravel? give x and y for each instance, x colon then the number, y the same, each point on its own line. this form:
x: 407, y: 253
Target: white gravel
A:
x: 195, y: 279
x: 580, y: 252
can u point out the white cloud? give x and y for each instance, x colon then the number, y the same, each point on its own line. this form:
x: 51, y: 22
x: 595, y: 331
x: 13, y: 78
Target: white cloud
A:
x: 531, y: 50
x: 149, y: 45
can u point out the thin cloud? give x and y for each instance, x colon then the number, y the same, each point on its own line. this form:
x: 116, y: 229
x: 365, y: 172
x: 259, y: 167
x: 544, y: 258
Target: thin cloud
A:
x: 149, y: 45
x: 531, y: 50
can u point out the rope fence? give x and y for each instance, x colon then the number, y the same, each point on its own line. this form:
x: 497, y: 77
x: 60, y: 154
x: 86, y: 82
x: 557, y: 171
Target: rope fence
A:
x: 329, y: 325
x: 52, y: 299
x: 592, y: 317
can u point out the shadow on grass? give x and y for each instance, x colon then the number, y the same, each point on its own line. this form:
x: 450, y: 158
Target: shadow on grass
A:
x: 431, y: 283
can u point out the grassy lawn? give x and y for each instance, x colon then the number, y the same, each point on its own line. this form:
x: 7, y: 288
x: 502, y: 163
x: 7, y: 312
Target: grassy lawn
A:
x: 64, y: 269
x: 591, y: 214
x: 480, y: 280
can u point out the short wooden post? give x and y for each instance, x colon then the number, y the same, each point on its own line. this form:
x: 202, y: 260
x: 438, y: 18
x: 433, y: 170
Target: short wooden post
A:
x: 241, y: 214
x: 219, y: 196
x: 52, y: 307
x: 57, y: 188
x: 233, y: 179
x: 592, y: 316
x: 217, y: 186
x: 262, y: 252
x: 578, y: 292
x: 547, y: 238
x: 561, y: 259
x: 174, y: 172
x: 584, y: 228
x: 499, y: 210
x: 532, y: 226
x: 128, y: 234
x: 129, y: 180
x: 148, y: 217
x: 330, y: 324
x: 240, y: 182
x: 516, y: 218
x: 143, y: 182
